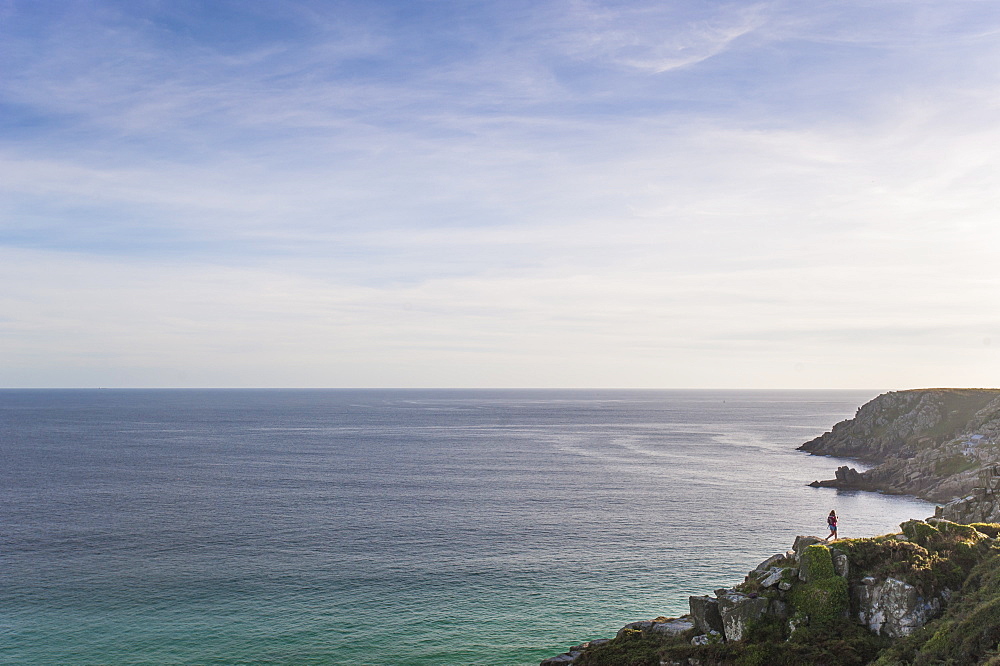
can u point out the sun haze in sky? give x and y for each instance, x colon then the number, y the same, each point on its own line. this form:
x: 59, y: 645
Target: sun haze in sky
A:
x: 510, y: 193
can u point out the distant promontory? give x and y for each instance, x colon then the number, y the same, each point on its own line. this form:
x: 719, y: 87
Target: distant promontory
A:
x: 937, y: 444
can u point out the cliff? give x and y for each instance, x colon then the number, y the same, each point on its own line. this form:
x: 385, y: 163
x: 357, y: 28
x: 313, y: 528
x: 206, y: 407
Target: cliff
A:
x: 932, y: 443
x: 926, y: 595
x: 929, y: 594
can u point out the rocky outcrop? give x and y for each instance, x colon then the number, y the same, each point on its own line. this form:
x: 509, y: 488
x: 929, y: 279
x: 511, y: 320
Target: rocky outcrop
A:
x: 982, y: 505
x: 705, y: 614
x: 891, y: 607
x: 931, y: 443
x: 738, y: 610
x: 803, y: 542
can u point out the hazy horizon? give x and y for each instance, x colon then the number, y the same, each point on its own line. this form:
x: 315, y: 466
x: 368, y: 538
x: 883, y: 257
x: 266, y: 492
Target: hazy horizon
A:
x: 553, y: 194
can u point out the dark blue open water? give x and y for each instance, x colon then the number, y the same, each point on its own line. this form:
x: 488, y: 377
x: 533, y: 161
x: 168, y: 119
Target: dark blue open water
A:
x: 392, y: 527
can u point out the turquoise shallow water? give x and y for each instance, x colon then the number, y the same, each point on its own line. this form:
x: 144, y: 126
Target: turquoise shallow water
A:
x: 392, y: 527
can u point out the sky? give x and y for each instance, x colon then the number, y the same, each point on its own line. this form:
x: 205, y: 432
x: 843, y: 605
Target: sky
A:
x: 538, y: 193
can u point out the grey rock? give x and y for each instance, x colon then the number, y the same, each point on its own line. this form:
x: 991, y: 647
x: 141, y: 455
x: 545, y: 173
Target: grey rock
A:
x: 848, y: 476
x: 892, y: 608
x: 705, y: 639
x: 673, y: 627
x: 796, y: 622
x: 737, y: 611
x: 705, y: 613
x: 767, y: 564
x: 803, y: 542
x: 773, y: 577
x: 841, y: 563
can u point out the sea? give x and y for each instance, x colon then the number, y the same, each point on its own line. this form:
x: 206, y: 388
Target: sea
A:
x: 385, y: 527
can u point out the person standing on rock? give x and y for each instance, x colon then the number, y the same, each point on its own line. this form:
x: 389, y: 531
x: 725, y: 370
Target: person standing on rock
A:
x: 831, y: 522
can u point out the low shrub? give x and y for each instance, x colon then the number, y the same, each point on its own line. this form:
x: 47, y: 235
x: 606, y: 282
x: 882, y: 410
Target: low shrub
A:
x: 920, y: 532
x: 991, y: 530
x: 632, y: 648
x: 958, y: 531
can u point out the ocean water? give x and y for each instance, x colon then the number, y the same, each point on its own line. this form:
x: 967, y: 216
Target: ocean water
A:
x: 390, y: 526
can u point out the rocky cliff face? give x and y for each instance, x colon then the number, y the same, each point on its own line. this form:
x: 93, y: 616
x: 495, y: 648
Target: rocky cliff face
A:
x: 932, y: 443
x: 900, y: 424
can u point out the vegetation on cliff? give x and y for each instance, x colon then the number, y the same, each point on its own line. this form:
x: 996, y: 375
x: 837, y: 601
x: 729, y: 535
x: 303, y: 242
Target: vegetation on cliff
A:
x: 820, y: 616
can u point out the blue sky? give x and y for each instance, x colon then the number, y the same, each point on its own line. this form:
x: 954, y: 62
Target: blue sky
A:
x: 437, y: 193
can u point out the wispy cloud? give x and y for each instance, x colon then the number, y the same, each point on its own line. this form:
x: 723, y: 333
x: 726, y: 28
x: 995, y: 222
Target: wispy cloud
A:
x: 680, y: 194
x: 657, y: 38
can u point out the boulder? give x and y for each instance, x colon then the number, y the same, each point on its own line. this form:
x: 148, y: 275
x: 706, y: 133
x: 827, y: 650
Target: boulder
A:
x: 738, y: 610
x: 673, y: 627
x: 841, y: 563
x: 891, y: 607
x: 767, y: 564
x: 670, y: 627
x: 705, y: 613
x: 774, y: 576
x: 642, y: 625
x: 573, y: 653
x: 848, y: 476
x: 803, y: 542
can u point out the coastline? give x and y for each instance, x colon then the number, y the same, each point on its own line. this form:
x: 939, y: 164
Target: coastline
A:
x: 901, y: 465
